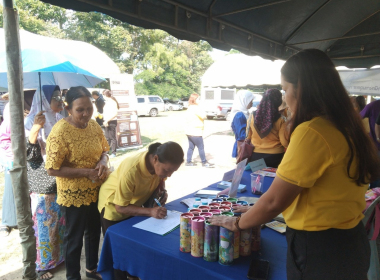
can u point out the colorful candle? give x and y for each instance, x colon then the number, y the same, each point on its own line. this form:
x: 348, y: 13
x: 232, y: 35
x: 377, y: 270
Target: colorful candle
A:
x: 232, y: 199
x: 185, y: 232
x: 217, y: 200
x: 256, y: 238
x: 226, y: 246
x: 195, y: 212
x: 206, y: 215
x: 197, y: 236
x: 211, y: 243
x: 223, y: 196
x: 204, y: 208
x: 236, y: 244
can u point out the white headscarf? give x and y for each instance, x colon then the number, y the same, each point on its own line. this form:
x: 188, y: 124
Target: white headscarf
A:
x: 242, y: 99
x: 51, y: 116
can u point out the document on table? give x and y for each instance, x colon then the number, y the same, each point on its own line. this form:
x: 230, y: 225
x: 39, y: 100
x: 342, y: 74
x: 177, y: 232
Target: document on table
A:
x: 161, y: 226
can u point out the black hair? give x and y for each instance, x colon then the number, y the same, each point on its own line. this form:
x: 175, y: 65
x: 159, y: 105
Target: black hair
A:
x: 169, y: 152
x: 75, y: 93
x: 95, y: 92
x: 321, y: 93
x: 360, y: 100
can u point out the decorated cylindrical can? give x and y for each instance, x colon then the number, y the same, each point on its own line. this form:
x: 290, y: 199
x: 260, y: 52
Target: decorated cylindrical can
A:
x: 211, y: 243
x: 197, y: 236
x: 228, y: 213
x: 242, y: 202
x: 206, y: 215
x: 245, y: 242
x: 185, y: 232
x: 195, y: 212
x: 232, y: 199
x: 224, y: 208
x: 215, y: 212
x: 223, y: 196
x: 236, y: 244
x: 214, y: 207
x: 218, y: 200
x: 256, y: 237
x: 226, y: 246
x: 226, y: 203
x: 217, y: 204
x: 204, y: 208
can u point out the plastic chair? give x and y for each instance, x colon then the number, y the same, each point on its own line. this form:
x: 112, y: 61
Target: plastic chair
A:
x: 374, y: 269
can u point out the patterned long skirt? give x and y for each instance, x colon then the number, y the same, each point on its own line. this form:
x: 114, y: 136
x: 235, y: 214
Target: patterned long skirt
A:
x: 49, y: 228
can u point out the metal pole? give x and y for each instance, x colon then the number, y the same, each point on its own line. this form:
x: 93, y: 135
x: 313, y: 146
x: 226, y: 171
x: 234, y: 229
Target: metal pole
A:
x: 18, y: 173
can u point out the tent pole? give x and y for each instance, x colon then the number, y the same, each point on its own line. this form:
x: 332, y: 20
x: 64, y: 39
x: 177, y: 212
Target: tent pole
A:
x: 18, y: 173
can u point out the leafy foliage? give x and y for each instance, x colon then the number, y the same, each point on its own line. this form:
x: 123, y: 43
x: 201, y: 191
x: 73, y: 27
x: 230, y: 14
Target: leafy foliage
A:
x: 162, y: 64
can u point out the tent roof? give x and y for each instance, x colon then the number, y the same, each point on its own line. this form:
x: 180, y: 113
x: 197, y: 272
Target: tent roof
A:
x: 348, y: 30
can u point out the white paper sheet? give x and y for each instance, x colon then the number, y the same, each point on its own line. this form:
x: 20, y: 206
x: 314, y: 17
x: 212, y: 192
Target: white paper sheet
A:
x: 161, y: 226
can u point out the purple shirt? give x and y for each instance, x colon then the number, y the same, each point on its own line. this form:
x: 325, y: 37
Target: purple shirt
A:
x: 371, y: 111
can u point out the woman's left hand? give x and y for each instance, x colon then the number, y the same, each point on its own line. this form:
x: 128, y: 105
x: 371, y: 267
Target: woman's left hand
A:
x: 224, y: 221
x: 102, y: 169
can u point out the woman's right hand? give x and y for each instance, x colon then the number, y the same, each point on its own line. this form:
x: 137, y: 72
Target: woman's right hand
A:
x: 158, y: 212
x: 39, y: 119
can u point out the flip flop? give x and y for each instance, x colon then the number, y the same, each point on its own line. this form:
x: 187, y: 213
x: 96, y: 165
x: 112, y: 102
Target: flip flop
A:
x: 42, y: 273
x: 5, y: 231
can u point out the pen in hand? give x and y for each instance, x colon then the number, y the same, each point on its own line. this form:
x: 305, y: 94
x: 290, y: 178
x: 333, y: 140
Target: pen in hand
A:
x: 159, y: 204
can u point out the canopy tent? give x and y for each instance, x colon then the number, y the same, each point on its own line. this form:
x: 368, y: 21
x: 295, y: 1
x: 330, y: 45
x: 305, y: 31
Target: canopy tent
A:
x: 348, y: 30
x: 361, y: 81
x: 61, y: 62
x: 239, y: 70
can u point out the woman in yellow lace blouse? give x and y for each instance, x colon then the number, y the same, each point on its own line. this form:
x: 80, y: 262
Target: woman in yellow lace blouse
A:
x: 77, y: 156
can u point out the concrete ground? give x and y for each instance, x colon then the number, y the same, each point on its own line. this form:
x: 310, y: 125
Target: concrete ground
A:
x: 168, y: 126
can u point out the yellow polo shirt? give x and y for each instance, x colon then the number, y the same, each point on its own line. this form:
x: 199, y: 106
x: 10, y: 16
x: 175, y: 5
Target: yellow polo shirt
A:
x: 130, y: 183
x: 316, y: 160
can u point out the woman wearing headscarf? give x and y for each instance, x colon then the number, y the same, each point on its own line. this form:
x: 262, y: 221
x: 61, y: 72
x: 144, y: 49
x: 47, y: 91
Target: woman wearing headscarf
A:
x: 267, y: 131
x: 49, y: 225
x: 240, y: 115
x: 8, y: 217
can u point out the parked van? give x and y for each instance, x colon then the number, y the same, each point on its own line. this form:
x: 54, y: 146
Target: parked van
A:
x: 149, y: 105
x: 217, y: 102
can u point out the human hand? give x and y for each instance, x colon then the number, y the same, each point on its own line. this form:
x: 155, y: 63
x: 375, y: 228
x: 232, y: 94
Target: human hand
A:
x: 92, y: 174
x: 102, y: 168
x: 223, y: 221
x: 158, y: 212
x: 240, y: 208
x: 40, y: 119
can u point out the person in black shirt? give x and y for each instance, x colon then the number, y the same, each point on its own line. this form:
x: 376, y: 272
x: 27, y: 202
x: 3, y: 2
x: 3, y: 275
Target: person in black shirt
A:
x: 99, y: 103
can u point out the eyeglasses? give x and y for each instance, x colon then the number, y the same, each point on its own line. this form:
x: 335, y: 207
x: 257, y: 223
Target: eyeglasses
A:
x: 58, y: 98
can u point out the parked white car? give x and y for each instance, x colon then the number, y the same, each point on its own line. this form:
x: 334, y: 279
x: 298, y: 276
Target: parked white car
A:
x: 169, y: 106
x: 149, y: 105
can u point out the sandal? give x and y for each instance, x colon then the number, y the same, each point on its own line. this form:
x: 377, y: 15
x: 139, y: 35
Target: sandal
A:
x: 42, y: 273
x: 93, y: 274
x: 5, y: 231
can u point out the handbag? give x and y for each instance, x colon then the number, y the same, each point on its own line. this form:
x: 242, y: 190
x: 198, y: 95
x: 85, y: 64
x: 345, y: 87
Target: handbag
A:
x: 245, y: 147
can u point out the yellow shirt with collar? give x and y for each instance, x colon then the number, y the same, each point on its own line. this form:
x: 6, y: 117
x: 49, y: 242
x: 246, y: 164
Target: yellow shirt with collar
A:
x: 316, y: 160
x: 130, y: 183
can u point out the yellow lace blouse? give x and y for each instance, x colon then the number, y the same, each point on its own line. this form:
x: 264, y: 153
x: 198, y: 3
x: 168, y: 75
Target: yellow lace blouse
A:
x: 77, y: 148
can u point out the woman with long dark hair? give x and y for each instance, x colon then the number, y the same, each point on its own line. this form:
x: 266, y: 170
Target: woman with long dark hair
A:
x: 267, y: 130
x: 322, y: 179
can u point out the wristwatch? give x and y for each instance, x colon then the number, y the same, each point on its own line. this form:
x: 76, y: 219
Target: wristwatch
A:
x: 237, y: 224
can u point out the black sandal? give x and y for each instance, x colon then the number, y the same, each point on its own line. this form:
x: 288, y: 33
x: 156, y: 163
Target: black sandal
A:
x: 93, y: 274
x: 5, y: 231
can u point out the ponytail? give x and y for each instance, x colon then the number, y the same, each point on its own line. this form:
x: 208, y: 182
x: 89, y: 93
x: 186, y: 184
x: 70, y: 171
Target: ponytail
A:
x: 169, y: 152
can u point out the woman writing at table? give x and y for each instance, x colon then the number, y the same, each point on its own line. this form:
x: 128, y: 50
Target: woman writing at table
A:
x: 322, y: 179
x: 76, y: 152
x: 134, y: 183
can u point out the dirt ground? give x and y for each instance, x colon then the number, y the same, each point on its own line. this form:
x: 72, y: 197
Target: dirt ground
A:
x: 168, y: 126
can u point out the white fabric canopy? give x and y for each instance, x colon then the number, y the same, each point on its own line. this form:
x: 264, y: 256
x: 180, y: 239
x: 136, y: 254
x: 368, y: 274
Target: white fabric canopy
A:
x: 239, y: 70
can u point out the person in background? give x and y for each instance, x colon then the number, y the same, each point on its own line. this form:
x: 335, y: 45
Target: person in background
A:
x: 321, y: 182
x: 77, y: 156
x: 110, y: 120
x: 359, y: 103
x: 99, y: 103
x: 267, y: 132
x: 371, y: 111
x: 194, y: 130
x: 64, y: 112
x: 49, y: 225
x: 239, y: 115
x: 8, y: 216
x: 134, y: 183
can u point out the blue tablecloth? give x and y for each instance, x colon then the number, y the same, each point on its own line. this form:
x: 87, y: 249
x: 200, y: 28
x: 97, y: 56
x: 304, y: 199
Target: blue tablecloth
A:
x: 151, y: 256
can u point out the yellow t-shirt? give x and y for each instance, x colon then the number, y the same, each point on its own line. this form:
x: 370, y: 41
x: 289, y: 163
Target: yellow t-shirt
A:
x: 130, y: 183
x: 77, y: 148
x: 194, y: 124
x: 274, y: 143
x: 316, y: 160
